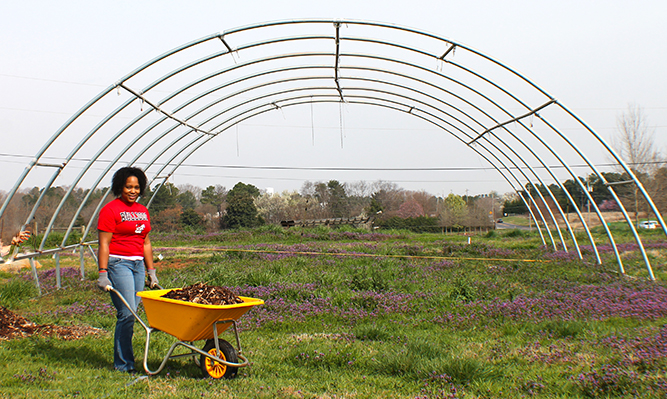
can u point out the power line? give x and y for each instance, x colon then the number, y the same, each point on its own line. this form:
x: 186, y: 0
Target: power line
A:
x: 302, y: 179
x: 340, y: 169
x: 51, y: 80
x: 32, y: 110
x: 100, y: 85
x: 396, y: 129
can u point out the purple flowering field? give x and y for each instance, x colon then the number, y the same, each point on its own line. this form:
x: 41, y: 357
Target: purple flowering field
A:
x: 367, y: 315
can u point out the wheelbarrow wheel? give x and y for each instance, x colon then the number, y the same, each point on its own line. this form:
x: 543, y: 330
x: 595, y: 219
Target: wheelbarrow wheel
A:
x: 214, y: 369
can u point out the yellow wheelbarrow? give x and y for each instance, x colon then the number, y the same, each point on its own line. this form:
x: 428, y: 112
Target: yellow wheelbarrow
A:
x: 190, y: 322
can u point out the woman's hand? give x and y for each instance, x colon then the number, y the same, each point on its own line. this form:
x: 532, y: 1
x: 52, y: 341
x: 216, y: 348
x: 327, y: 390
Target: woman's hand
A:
x: 20, y: 237
x: 103, y: 281
x: 152, y: 279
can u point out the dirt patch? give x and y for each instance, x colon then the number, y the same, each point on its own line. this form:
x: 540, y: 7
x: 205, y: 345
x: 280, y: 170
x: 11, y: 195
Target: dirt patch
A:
x: 591, y: 219
x: 178, y: 263
x: 18, y: 265
x: 15, y: 326
x: 204, y: 294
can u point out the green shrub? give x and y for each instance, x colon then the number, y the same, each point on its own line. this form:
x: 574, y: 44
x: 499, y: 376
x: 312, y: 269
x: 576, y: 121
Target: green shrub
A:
x: 220, y: 275
x: 257, y: 278
x: 463, y: 290
x: 368, y: 279
x: 516, y: 233
x: 16, y: 290
x: 318, y: 232
x: 54, y: 240
x: 420, y: 224
x: 270, y: 229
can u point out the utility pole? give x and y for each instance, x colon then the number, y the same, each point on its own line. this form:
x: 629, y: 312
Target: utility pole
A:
x: 588, y: 199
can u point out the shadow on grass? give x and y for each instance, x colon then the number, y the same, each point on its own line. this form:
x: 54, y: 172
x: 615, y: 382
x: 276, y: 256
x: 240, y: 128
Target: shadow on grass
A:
x: 91, y: 353
x: 85, y: 353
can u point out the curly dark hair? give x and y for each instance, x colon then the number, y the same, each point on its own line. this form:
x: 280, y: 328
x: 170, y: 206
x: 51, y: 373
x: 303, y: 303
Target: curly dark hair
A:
x: 121, y: 175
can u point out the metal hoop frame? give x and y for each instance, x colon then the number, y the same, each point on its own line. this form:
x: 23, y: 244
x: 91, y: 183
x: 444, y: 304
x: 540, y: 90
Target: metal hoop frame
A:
x: 466, y: 94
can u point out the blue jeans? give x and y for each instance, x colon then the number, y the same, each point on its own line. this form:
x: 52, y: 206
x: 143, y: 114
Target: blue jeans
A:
x: 127, y: 277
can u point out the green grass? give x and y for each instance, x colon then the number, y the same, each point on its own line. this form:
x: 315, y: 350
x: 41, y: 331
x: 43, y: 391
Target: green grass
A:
x: 14, y: 291
x: 410, y: 322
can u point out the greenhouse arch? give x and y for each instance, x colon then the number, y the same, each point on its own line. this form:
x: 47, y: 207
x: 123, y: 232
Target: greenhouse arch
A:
x: 203, y: 88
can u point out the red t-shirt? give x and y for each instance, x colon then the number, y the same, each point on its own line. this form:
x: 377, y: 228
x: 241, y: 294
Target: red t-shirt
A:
x: 129, y: 224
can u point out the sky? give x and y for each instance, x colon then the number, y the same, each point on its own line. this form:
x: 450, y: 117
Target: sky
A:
x: 595, y: 57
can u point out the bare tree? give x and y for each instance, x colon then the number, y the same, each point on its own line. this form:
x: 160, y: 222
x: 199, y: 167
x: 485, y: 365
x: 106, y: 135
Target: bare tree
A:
x: 427, y: 201
x: 635, y: 144
x: 389, y: 195
x: 195, y: 190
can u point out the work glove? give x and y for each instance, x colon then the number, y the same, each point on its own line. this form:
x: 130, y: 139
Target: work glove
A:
x: 103, y: 281
x: 152, y: 279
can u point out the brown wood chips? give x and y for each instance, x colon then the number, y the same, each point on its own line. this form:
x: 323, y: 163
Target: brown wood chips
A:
x: 15, y: 326
x: 204, y: 294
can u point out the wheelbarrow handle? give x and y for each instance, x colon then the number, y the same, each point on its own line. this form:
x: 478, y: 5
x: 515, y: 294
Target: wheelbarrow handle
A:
x: 122, y: 298
x: 110, y: 288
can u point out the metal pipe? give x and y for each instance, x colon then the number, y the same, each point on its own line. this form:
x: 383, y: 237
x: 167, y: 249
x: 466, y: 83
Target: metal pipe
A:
x: 265, y: 110
x: 469, y: 95
x: 581, y: 186
x: 83, y: 263
x: 518, y: 118
x: 35, y: 276
x: 58, y: 277
x: 337, y: 61
x: 73, y: 152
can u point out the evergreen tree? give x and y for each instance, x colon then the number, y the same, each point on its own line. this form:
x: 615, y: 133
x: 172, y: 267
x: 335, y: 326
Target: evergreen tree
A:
x: 338, y: 200
x: 187, y: 200
x: 515, y: 206
x: 214, y: 195
x: 163, y: 198
x: 190, y: 218
x: 241, y: 209
x: 375, y: 206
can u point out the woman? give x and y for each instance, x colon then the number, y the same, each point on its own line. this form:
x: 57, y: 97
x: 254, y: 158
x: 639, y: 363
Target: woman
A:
x: 124, y: 253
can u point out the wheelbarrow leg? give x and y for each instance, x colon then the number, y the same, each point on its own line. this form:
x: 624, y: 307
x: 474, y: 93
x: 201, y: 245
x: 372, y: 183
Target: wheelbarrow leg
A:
x: 236, y: 333
x: 193, y: 349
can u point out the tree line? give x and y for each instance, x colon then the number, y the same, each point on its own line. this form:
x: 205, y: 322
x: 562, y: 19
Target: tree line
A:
x: 244, y: 205
x: 634, y: 143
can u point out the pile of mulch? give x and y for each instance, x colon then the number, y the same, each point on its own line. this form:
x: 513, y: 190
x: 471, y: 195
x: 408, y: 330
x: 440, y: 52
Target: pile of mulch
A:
x: 204, y: 294
x: 15, y: 326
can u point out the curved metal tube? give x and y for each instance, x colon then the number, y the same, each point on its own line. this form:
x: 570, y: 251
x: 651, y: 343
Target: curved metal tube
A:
x: 427, y: 97
x: 262, y: 109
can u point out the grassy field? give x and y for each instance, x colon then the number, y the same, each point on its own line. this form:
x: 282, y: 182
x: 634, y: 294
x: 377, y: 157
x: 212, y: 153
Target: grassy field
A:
x: 591, y: 219
x: 352, y: 314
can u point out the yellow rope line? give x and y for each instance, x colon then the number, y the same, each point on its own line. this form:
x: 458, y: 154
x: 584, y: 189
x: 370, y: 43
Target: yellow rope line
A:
x: 359, y: 254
